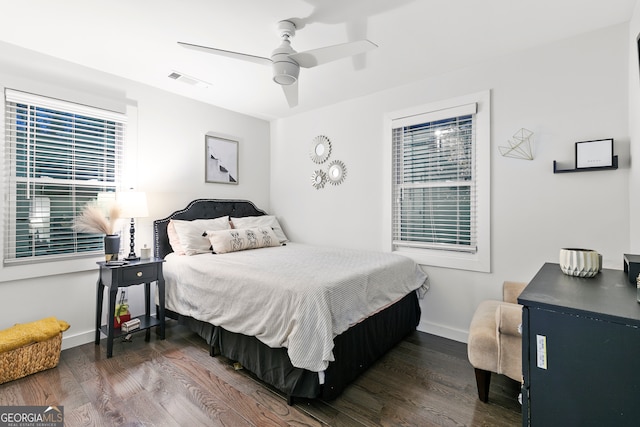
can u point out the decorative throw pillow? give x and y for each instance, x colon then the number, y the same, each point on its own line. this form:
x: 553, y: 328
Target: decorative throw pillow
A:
x: 191, y: 233
x: 174, y: 240
x: 239, y: 239
x: 261, y: 221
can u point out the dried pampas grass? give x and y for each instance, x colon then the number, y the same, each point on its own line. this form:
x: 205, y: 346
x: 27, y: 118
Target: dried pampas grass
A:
x: 92, y: 220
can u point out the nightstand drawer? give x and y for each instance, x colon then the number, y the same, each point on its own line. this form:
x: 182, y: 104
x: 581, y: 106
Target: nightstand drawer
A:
x: 140, y: 273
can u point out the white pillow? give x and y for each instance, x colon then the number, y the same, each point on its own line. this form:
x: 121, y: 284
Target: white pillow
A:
x: 240, y: 239
x: 191, y: 233
x: 174, y: 239
x: 261, y: 221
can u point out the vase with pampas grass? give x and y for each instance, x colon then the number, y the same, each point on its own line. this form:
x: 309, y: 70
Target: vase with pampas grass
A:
x: 93, y: 220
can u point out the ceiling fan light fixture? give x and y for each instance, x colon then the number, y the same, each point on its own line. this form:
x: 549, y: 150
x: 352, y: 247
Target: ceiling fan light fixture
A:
x: 285, y: 73
x: 284, y: 79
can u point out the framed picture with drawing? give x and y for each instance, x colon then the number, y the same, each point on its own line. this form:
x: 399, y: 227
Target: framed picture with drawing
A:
x: 221, y: 160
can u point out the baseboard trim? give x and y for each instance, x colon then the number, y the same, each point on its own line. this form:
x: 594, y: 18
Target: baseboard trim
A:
x: 444, y: 331
x: 69, y: 341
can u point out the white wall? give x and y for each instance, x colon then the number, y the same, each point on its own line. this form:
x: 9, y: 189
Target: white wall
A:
x: 167, y: 158
x: 634, y: 130
x: 573, y: 90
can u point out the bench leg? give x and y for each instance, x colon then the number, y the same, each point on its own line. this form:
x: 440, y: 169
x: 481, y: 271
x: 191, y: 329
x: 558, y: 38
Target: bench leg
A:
x: 483, y: 380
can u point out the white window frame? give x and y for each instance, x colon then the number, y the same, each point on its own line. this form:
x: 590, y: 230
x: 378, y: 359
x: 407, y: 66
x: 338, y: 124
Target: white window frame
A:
x: 480, y: 260
x: 16, y: 268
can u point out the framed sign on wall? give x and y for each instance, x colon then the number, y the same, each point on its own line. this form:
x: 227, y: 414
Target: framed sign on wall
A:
x: 594, y: 154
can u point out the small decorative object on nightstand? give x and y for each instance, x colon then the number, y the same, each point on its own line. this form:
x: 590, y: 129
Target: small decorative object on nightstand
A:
x: 125, y: 274
x: 145, y: 253
x: 93, y: 220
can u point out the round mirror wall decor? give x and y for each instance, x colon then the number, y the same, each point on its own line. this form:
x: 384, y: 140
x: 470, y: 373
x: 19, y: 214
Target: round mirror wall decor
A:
x: 336, y: 173
x: 318, y: 179
x: 320, y: 149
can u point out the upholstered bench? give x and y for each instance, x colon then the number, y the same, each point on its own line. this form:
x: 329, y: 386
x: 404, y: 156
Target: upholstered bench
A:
x: 495, y: 338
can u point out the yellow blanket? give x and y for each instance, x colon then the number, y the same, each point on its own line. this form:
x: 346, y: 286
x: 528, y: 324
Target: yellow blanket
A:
x: 26, y: 333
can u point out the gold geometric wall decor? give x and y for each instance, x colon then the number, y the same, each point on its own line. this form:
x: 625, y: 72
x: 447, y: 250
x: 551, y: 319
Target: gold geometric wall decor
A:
x: 521, y: 147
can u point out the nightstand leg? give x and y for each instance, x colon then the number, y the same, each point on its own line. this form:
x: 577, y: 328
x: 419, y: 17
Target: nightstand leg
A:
x: 100, y: 298
x: 147, y: 309
x: 160, y: 308
x: 113, y: 292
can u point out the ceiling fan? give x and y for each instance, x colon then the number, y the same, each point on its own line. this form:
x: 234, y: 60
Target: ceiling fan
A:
x: 286, y: 62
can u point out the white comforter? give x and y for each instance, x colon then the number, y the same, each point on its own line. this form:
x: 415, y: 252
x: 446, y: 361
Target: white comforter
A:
x: 294, y: 296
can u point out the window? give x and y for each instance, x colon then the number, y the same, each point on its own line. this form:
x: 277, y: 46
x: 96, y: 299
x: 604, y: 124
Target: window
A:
x: 440, y: 188
x: 59, y: 156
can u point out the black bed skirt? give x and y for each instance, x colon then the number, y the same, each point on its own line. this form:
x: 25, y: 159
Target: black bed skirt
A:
x: 355, y: 350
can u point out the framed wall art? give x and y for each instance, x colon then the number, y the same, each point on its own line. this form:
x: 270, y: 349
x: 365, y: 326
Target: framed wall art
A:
x: 221, y: 160
x: 594, y: 154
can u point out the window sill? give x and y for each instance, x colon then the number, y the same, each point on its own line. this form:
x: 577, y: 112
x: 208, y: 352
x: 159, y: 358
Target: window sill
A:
x: 44, y: 269
x: 447, y: 259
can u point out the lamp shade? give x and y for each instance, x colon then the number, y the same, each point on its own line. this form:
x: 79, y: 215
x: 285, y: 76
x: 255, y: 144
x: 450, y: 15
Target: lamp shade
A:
x: 133, y: 204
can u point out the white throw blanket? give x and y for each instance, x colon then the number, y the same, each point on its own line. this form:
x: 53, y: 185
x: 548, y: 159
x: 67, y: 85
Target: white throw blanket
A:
x: 294, y: 296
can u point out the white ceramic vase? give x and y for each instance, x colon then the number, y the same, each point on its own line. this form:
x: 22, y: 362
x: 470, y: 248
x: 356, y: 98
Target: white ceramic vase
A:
x: 580, y: 262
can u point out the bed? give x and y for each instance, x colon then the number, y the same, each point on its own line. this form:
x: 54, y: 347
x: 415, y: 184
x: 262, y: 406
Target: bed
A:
x: 309, y: 337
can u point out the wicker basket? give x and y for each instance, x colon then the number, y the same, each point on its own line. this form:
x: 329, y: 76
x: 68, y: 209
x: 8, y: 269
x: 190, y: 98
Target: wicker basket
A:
x: 30, y: 359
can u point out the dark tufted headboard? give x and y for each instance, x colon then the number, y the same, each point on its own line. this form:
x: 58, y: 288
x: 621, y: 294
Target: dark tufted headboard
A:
x: 200, y: 209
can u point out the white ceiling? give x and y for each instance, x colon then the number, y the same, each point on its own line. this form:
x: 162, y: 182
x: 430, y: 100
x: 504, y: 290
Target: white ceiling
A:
x: 136, y: 39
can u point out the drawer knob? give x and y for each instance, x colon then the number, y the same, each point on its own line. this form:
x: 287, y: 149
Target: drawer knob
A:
x: 139, y: 274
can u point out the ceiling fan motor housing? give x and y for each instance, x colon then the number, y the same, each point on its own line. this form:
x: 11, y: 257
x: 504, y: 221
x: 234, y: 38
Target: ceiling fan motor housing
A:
x: 285, y: 69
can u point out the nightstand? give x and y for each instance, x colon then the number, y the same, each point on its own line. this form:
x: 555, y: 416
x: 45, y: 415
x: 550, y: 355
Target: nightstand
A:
x: 114, y: 276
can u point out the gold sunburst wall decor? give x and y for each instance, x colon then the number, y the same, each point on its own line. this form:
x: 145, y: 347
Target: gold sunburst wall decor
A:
x: 320, y: 149
x: 336, y: 170
x: 336, y: 173
x: 318, y: 179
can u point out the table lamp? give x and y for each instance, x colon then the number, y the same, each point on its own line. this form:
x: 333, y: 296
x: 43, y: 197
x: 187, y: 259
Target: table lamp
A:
x: 133, y: 205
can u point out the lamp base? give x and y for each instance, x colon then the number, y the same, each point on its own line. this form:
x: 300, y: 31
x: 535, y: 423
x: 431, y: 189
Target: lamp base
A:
x: 132, y: 253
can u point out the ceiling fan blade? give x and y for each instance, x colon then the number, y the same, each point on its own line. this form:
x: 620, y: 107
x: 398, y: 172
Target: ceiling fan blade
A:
x: 291, y: 93
x: 311, y: 58
x: 227, y: 53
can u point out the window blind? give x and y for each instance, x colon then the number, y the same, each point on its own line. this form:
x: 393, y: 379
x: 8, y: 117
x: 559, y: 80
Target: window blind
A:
x: 434, y: 195
x: 58, y: 156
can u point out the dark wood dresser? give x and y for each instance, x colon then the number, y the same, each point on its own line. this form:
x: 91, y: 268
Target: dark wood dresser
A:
x: 580, y: 350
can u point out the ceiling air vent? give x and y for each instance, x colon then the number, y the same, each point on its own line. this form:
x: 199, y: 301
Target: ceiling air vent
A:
x: 181, y: 77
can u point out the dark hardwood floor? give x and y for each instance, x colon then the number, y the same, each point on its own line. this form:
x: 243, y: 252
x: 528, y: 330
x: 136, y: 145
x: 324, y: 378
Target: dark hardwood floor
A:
x: 424, y: 381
